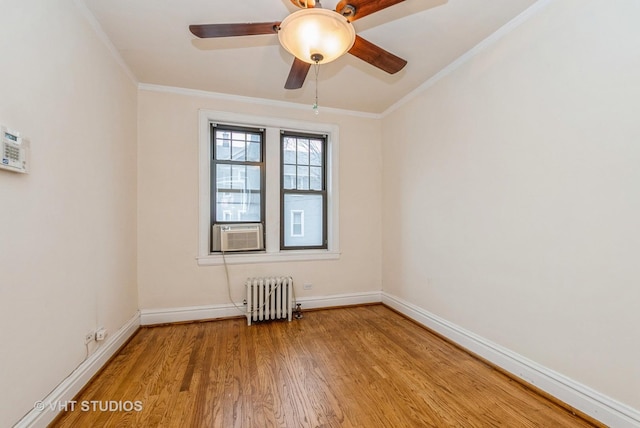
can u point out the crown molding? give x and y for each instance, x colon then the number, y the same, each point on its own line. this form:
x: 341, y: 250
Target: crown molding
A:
x: 250, y: 100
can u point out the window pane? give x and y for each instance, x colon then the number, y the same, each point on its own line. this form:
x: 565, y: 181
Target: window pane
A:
x: 303, y: 152
x: 237, y: 150
x: 223, y: 149
x: 289, y: 179
x: 223, y: 177
x: 315, y: 149
x: 303, y: 178
x: 238, y: 206
x: 309, y: 207
x: 238, y: 176
x: 315, y: 182
x: 253, y: 177
x: 253, y: 152
x: 289, y: 150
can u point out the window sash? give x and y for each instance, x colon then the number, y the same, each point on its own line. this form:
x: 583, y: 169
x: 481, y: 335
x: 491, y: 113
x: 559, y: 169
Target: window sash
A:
x: 238, y: 160
x: 309, y: 154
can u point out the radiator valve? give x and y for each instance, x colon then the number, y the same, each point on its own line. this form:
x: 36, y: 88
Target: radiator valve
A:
x: 298, y: 314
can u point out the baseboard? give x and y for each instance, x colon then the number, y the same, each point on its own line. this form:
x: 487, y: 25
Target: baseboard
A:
x: 574, y: 394
x: 73, y: 384
x: 189, y: 313
x: 200, y: 313
x: 340, y: 300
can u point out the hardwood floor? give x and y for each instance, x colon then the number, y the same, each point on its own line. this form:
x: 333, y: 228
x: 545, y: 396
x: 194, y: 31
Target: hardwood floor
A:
x: 354, y: 367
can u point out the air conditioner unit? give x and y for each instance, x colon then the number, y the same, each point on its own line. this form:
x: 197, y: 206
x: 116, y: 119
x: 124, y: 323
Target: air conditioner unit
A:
x: 237, y: 237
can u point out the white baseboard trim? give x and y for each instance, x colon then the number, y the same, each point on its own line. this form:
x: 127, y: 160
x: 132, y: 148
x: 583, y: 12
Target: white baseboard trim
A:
x: 53, y: 403
x: 576, y: 395
x: 189, y: 313
x: 340, y: 300
x: 200, y: 313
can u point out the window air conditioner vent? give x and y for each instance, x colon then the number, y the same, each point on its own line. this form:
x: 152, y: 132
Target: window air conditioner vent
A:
x: 237, y: 237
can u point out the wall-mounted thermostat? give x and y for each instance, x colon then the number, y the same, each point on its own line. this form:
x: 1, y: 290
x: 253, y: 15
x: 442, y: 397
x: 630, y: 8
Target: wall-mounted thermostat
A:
x: 13, y: 151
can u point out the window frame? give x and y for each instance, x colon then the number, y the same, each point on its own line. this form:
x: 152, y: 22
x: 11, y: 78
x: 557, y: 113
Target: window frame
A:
x: 322, y: 192
x: 215, y: 162
x: 272, y: 127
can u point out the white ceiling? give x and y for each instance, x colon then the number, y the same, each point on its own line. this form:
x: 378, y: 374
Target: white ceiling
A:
x: 153, y: 38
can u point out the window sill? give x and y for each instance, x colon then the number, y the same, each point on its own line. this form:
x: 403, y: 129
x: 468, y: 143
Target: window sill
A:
x: 264, y: 257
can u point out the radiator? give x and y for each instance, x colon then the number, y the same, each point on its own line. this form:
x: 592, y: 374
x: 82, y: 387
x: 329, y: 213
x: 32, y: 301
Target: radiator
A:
x: 269, y: 298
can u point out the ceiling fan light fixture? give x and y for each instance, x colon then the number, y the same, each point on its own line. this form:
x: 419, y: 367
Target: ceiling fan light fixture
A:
x: 313, y: 33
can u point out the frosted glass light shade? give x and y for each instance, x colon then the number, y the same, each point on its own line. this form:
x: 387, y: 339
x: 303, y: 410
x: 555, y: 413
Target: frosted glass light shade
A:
x: 314, y: 31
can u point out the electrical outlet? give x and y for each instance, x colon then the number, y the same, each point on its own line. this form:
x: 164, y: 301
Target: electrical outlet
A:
x: 101, y: 334
x: 308, y: 286
x: 88, y: 338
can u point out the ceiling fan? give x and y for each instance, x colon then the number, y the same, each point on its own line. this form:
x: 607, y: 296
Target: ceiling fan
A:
x: 316, y: 36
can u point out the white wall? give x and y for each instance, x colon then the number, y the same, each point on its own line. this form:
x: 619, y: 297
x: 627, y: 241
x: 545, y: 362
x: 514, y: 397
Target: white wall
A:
x: 510, y: 194
x: 168, y: 274
x: 67, y: 229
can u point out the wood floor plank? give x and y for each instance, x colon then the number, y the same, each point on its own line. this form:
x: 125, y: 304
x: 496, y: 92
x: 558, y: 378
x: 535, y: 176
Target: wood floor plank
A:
x: 352, y: 367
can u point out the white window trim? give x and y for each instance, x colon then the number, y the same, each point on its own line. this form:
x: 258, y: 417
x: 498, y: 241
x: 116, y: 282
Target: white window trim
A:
x: 272, y: 128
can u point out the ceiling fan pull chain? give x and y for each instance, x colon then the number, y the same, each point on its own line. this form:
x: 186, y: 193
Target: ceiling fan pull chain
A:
x: 316, y: 67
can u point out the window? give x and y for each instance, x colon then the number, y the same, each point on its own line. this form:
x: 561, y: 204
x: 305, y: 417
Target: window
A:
x: 303, y: 191
x: 297, y: 223
x: 242, y: 180
x: 237, y: 171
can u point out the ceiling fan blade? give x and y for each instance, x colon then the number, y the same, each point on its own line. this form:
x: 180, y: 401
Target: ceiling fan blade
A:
x: 363, y: 7
x: 376, y: 56
x: 299, y: 71
x: 304, y: 3
x: 230, y: 30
